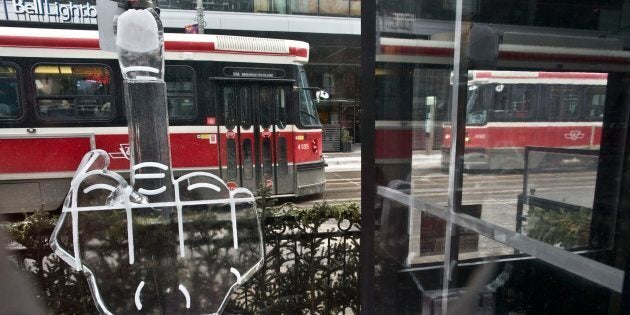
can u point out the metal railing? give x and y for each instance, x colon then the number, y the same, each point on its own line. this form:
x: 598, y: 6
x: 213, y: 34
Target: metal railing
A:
x: 311, y: 265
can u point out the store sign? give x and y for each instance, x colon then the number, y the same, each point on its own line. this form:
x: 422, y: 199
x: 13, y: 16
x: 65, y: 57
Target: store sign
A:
x: 66, y: 12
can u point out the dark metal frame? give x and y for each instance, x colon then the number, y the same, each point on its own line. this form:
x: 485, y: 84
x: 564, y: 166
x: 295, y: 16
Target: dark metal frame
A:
x: 368, y: 170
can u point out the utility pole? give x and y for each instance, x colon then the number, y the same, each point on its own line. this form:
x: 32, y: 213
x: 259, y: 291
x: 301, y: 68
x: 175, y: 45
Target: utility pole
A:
x: 201, y: 18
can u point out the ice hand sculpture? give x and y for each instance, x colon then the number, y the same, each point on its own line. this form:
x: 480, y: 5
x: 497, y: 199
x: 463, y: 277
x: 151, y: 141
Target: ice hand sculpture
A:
x: 137, y: 260
x: 139, y: 40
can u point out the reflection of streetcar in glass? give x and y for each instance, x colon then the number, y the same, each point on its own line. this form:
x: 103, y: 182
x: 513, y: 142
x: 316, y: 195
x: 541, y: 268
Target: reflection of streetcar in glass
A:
x: 509, y: 110
x: 239, y: 107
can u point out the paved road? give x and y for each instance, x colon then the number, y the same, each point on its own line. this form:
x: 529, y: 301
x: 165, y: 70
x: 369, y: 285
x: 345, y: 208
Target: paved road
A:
x: 487, y: 189
x: 340, y: 187
x: 497, y: 194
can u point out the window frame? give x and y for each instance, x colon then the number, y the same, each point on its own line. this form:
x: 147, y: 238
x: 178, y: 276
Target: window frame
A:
x: 509, y: 116
x: 112, y: 94
x: 281, y: 96
x: 246, y: 107
x: 302, y: 82
x: 226, y: 108
x: 19, y: 89
x: 551, y: 109
x: 193, y: 97
x: 587, y: 104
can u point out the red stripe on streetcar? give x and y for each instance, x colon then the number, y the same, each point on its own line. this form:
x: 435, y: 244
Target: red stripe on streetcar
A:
x: 416, y: 51
x: 573, y: 75
x: 42, y: 154
x: 542, y: 75
x: 93, y: 44
x: 521, y: 136
x: 505, y: 55
x: 529, y: 56
x: 189, y: 46
x: 298, y: 51
x: 49, y: 42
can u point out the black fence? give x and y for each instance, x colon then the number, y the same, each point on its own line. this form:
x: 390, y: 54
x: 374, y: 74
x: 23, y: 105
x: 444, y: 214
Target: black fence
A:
x: 311, y: 264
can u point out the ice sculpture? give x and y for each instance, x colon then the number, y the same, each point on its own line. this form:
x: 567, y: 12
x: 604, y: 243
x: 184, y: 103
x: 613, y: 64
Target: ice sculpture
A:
x: 155, y: 244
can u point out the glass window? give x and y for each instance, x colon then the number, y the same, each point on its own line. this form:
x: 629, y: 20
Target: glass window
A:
x: 245, y: 102
x: 308, y: 113
x: 180, y: 91
x: 266, y: 157
x: 355, y: 8
x: 248, y: 161
x: 334, y: 7
x: 476, y: 106
x: 270, y: 6
x: 594, y: 103
x: 10, y: 106
x: 525, y: 205
x: 229, y: 107
x: 73, y: 91
x: 563, y: 102
x: 308, y: 7
x: 281, y: 108
x: 266, y: 106
x: 283, y: 165
x: 512, y: 102
x: 231, y: 159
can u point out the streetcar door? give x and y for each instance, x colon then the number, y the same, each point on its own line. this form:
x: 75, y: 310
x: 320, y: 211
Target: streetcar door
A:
x: 229, y: 135
x: 272, y: 137
x: 256, y: 141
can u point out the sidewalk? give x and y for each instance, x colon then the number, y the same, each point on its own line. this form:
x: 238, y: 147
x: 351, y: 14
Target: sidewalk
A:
x: 351, y: 161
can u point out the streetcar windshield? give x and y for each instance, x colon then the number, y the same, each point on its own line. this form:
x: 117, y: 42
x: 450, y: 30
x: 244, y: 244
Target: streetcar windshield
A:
x: 476, y: 112
x: 308, y: 113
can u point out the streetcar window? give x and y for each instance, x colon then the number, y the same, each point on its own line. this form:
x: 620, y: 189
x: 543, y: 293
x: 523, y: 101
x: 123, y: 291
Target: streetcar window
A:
x: 562, y: 102
x: 283, y: 164
x: 9, y: 100
x: 476, y: 110
x: 73, y: 91
x: 180, y: 91
x: 308, y: 113
x: 231, y: 159
x: 267, y: 163
x: 513, y: 102
x: 281, y: 109
x: 266, y: 106
x: 594, y: 103
x: 248, y: 162
x: 229, y: 107
x: 245, y: 102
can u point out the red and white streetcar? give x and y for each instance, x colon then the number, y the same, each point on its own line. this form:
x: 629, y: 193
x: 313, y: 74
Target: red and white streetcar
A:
x: 240, y: 107
x: 509, y: 110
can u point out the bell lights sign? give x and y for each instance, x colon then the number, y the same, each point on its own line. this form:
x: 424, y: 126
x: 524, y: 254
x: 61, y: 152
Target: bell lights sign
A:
x: 66, y: 12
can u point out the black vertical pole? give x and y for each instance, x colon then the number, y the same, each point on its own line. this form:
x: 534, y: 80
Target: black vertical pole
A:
x: 456, y: 164
x: 368, y: 173
x: 6, y: 12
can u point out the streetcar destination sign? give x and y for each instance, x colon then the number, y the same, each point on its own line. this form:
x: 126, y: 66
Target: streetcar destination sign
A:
x: 253, y: 72
x: 66, y: 12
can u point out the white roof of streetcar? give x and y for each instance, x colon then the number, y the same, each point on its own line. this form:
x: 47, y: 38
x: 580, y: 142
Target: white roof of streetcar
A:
x: 82, y: 44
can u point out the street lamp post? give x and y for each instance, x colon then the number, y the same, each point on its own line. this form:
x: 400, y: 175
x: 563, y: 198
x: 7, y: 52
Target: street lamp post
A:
x: 201, y: 18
